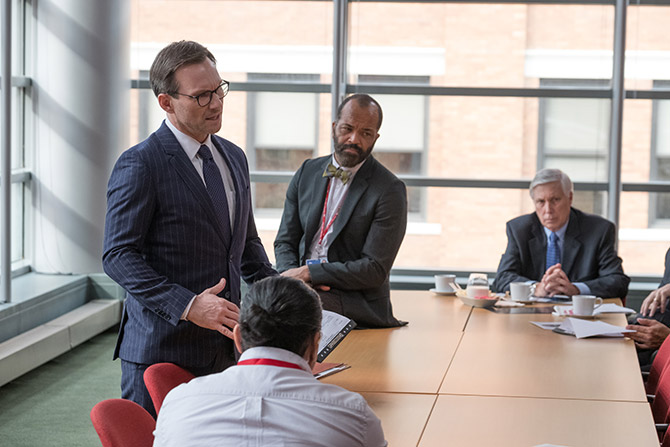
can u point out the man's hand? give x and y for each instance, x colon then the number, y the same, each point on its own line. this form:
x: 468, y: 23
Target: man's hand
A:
x: 649, y: 334
x: 302, y: 273
x: 555, y: 282
x: 657, y: 299
x: 213, y: 312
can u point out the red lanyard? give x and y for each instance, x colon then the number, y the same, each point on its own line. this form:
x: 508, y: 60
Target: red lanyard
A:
x: 324, y: 227
x: 270, y: 362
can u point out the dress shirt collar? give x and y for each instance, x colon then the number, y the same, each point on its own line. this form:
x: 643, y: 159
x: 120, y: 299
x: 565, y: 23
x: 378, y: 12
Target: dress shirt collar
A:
x: 560, y: 232
x: 189, y: 144
x: 266, y: 352
x: 352, y: 170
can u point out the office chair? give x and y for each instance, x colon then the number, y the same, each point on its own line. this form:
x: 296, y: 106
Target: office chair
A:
x: 160, y: 378
x: 123, y: 423
x: 661, y: 360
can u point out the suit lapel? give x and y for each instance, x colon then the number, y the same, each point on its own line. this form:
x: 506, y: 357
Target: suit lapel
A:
x: 358, y: 186
x: 233, y: 169
x: 538, y: 248
x: 179, y: 161
x: 318, y: 187
x: 571, y: 245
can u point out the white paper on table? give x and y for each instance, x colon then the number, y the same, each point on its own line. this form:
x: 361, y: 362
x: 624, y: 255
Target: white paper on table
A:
x: 547, y: 325
x: 611, y: 308
x: 585, y: 328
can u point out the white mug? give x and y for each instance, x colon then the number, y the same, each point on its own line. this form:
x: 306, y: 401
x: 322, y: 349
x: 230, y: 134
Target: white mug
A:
x: 520, y: 291
x: 445, y: 283
x: 585, y: 304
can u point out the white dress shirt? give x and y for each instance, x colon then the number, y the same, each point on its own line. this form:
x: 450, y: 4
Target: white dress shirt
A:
x: 318, y: 249
x: 266, y: 405
x: 560, y: 234
x: 191, y: 147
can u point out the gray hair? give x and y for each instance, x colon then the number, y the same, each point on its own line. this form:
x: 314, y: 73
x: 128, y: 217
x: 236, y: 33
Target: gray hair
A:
x: 549, y: 176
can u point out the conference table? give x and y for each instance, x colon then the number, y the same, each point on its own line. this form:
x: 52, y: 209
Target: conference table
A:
x: 463, y: 376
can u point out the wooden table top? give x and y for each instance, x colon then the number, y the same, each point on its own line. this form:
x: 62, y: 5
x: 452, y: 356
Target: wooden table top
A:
x: 410, y: 359
x: 403, y: 416
x: 505, y: 355
x: 475, y: 421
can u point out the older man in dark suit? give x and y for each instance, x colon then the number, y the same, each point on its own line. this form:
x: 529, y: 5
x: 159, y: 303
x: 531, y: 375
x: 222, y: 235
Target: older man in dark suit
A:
x: 344, y: 220
x: 560, y: 249
x: 179, y: 230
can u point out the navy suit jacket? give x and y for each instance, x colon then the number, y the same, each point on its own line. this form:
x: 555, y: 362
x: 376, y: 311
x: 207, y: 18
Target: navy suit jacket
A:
x: 164, y: 245
x: 588, y: 254
x: 365, y: 240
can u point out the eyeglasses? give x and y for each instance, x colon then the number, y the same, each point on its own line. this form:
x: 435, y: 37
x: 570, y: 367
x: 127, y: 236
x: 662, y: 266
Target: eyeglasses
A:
x: 203, y: 99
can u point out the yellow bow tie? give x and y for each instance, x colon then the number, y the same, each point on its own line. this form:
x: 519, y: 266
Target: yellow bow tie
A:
x: 332, y: 171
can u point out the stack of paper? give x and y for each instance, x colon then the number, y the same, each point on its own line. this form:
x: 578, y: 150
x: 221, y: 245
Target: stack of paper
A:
x: 584, y: 328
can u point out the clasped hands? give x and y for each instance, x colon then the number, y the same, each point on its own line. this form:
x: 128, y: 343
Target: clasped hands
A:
x: 555, y: 282
x: 213, y: 312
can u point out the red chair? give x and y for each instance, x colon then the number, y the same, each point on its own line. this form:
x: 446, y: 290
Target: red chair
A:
x: 666, y: 440
x: 160, y: 378
x: 123, y: 423
x: 661, y: 360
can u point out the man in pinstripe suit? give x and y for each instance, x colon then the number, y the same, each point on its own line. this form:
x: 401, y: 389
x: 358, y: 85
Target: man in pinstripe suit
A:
x: 179, y: 231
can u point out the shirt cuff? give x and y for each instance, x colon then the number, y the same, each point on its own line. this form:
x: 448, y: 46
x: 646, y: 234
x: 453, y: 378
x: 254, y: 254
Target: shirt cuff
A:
x: 185, y: 313
x: 583, y: 288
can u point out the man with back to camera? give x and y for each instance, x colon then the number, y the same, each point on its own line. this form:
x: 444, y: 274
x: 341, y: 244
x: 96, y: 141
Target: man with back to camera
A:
x: 271, y: 396
x: 344, y: 220
x: 179, y: 230
x: 560, y: 249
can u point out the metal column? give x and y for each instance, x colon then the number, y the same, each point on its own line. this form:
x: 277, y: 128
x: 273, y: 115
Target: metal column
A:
x: 5, y: 152
x: 340, y: 38
x: 614, y: 184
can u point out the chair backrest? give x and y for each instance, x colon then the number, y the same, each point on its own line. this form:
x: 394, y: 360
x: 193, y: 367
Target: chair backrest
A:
x: 160, y: 378
x: 660, y: 407
x: 123, y: 423
x: 661, y: 360
x: 666, y: 439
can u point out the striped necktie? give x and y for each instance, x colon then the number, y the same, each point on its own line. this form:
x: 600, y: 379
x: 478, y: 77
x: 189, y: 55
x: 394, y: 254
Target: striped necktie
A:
x: 215, y: 189
x: 553, y: 252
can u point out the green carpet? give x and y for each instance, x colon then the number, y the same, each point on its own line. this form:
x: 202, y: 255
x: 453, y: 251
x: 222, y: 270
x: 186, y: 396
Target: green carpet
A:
x: 50, y: 406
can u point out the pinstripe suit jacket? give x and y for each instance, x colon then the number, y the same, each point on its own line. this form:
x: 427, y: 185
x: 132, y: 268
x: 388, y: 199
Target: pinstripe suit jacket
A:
x: 163, y: 245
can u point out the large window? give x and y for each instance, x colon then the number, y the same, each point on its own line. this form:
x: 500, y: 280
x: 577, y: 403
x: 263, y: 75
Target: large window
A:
x: 476, y: 97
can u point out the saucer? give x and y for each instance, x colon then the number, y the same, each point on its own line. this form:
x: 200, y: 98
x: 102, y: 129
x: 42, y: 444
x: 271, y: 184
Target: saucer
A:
x: 443, y: 292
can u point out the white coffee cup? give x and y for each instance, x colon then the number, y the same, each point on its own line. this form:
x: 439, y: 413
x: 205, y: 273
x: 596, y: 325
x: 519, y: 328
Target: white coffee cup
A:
x: 477, y: 291
x: 445, y: 283
x: 520, y: 291
x: 584, y: 305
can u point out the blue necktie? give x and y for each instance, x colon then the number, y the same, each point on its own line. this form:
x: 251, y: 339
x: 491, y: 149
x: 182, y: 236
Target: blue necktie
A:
x: 215, y: 189
x: 553, y: 252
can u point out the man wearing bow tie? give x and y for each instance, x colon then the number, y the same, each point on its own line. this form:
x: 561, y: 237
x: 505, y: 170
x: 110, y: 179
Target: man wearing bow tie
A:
x: 344, y: 220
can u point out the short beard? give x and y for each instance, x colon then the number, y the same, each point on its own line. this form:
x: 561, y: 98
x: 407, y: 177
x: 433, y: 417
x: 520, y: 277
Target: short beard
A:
x: 347, y: 160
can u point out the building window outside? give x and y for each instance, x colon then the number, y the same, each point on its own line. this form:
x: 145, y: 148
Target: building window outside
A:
x: 402, y: 146
x: 659, y: 206
x: 282, y: 132
x: 573, y: 135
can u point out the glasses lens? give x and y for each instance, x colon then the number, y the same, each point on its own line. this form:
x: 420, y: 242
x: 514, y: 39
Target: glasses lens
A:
x: 223, y: 90
x: 204, y: 99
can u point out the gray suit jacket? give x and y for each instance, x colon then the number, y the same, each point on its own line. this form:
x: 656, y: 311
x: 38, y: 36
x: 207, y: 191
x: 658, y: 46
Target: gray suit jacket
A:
x: 366, y: 236
x: 588, y: 254
x: 164, y: 244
